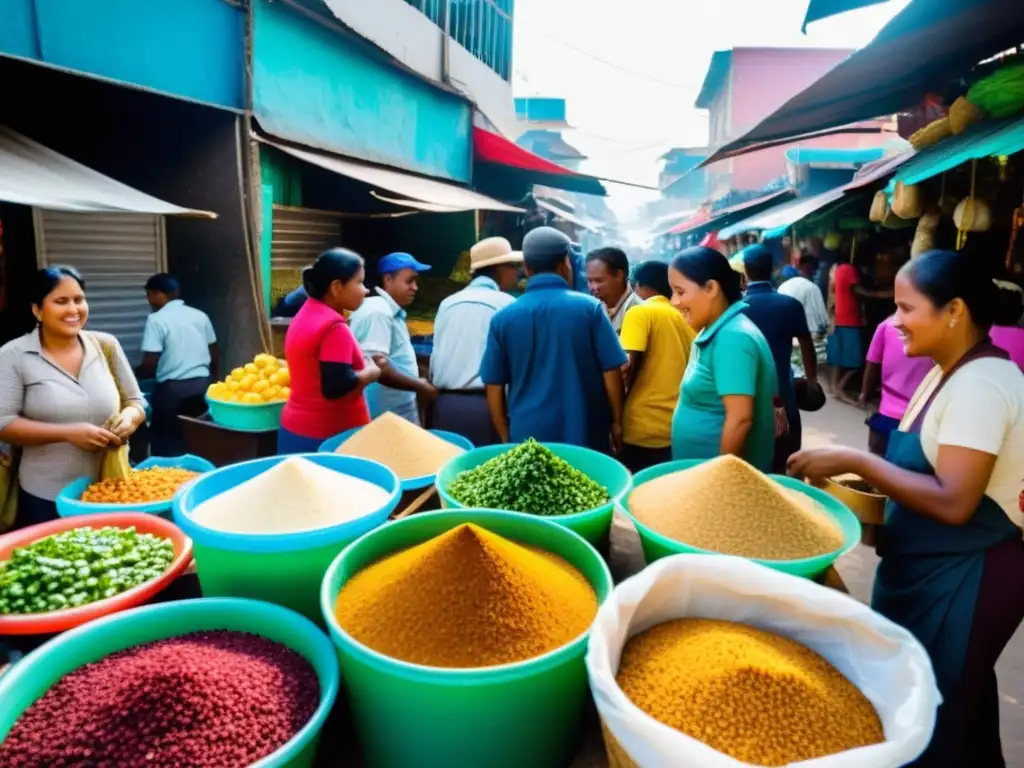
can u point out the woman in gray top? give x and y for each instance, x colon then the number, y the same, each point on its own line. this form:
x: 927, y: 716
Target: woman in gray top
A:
x: 65, y: 395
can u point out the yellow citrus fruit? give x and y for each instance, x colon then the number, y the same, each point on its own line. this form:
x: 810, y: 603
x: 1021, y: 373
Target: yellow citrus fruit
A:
x: 260, y: 386
x: 284, y: 394
x: 251, y: 368
x: 248, y: 381
x: 275, y: 379
x: 284, y: 377
x: 267, y: 395
x: 251, y: 398
x: 238, y: 374
x: 235, y: 397
x: 263, y: 360
x: 234, y: 386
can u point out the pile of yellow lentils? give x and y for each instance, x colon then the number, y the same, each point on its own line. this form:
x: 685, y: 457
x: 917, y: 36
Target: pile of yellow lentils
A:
x: 141, y: 486
x: 758, y: 697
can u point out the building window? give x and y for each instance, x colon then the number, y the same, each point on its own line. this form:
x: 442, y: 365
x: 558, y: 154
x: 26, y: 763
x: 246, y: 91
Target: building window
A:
x: 483, y: 27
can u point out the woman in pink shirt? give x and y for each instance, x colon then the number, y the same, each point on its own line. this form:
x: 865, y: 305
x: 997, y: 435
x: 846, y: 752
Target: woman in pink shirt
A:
x: 1010, y: 337
x: 899, y: 376
x: 328, y: 372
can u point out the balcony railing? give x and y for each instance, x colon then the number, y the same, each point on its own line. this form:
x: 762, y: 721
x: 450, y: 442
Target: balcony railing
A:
x: 483, y: 27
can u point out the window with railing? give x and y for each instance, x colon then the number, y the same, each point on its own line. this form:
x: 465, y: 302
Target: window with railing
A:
x: 483, y: 27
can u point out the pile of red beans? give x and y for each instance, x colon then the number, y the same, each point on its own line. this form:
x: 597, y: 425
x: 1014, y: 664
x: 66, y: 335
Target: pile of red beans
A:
x: 219, y: 699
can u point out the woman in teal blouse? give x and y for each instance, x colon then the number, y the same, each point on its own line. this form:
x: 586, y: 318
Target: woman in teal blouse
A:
x: 727, y: 397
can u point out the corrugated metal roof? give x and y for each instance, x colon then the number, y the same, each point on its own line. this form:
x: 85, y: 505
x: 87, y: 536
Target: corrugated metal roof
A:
x: 35, y: 175
x: 985, y: 139
x: 874, y: 172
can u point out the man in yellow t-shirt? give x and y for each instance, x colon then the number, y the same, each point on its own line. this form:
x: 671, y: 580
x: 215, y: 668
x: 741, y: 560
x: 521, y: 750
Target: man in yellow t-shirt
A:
x: 658, y: 341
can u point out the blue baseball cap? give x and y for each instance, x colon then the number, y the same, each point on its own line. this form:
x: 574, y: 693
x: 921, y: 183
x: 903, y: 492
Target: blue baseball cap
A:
x: 395, y: 262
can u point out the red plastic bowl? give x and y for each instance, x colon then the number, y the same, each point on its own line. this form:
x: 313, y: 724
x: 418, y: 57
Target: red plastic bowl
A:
x: 59, y: 621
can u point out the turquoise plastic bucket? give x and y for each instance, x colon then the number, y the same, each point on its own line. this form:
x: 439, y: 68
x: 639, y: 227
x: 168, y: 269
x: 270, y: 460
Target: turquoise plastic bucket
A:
x: 32, y: 676
x: 280, y: 568
x: 410, y: 484
x: 594, y: 525
x: 657, y: 546
x: 509, y: 716
x: 246, y: 417
x: 69, y: 504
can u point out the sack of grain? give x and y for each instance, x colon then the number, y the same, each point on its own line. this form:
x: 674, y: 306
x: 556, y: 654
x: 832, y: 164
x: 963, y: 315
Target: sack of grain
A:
x: 881, y: 659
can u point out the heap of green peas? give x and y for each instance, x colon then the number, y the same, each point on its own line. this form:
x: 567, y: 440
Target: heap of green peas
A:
x: 78, y: 567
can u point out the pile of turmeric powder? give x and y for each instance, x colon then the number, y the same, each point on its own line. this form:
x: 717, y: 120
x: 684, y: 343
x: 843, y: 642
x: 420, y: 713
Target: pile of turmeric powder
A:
x: 467, y: 598
x: 750, y: 694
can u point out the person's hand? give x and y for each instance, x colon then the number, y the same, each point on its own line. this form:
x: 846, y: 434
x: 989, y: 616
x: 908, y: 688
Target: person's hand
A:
x: 616, y: 439
x: 381, y: 361
x: 126, y: 422
x: 89, y: 437
x: 817, y: 464
x: 371, y: 370
x: 427, y: 393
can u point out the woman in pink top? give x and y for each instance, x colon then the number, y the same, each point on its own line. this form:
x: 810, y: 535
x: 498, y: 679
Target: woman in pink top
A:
x: 328, y: 372
x: 1010, y: 337
x: 899, y: 376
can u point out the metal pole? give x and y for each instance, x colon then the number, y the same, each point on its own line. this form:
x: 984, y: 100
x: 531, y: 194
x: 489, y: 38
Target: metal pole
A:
x: 445, y: 41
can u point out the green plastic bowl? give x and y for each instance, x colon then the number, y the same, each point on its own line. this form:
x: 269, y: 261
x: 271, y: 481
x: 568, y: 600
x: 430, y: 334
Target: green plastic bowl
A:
x: 594, y: 525
x: 509, y: 716
x: 32, y: 676
x: 657, y: 546
x: 246, y: 417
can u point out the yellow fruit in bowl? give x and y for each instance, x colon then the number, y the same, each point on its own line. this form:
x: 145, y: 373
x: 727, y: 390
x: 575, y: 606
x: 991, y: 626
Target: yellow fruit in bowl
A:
x: 284, y: 378
x: 251, y: 398
x: 275, y: 378
x: 251, y: 368
x: 267, y: 395
x: 234, y: 397
x: 247, y: 382
x: 284, y: 394
x: 260, y: 386
x: 262, y: 360
x: 234, y: 386
x: 238, y: 374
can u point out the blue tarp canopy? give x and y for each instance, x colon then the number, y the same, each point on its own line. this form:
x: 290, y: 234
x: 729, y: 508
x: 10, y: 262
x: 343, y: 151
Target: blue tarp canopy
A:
x: 822, y: 9
x: 782, y: 216
x: 990, y: 138
x: 842, y: 158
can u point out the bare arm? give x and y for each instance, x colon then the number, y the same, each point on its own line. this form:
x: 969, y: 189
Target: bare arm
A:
x: 26, y: 432
x: 147, y: 368
x: 636, y: 362
x: 809, y: 357
x: 739, y: 418
x: 864, y: 293
x: 499, y: 410
x: 872, y: 378
x: 396, y: 379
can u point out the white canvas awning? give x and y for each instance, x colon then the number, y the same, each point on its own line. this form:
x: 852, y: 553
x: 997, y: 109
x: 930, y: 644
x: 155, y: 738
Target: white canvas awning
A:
x: 415, y: 191
x: 35, y: 175
x: 573, y: 218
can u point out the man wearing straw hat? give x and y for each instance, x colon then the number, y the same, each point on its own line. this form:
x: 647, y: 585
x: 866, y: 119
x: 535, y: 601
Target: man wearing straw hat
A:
x: 460, y: 336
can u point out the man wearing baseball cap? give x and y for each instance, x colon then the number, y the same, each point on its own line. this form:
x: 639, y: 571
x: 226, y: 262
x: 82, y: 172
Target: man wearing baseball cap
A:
x: 555, y: 352
x: 460, y: 336
x: 380, y: 328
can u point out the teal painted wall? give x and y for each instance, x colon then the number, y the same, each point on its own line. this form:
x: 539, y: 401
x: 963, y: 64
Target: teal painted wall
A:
x: 318, y: 87
x: 189, y: 48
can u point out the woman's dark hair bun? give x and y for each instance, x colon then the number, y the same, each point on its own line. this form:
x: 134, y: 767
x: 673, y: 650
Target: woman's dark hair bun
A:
x: 47, y: 279
x: 701, y: 265
x: 335, y: 264
x: 946, y: 275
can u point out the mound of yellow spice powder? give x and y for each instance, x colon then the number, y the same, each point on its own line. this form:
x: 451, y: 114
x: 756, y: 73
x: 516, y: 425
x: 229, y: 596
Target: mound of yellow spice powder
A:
x: 467, y: 598
x: 750, y: 694
x: 727, y: 506
x: 401, y: 446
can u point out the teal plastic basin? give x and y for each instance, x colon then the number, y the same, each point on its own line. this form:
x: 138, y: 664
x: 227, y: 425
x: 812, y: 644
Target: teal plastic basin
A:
x: 32, y: 676
x: 508, y: 716
x: 246, y: 417
x: 657, y: 546
x: 280, y: 568
x: 594, y: 525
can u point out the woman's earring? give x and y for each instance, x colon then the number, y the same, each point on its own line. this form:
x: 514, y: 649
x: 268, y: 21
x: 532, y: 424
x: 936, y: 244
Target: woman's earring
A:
x: 952, y: 323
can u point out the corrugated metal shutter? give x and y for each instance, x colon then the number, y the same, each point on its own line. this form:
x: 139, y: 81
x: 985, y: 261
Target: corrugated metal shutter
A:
x: 302, y: 234
x: 116, y: 253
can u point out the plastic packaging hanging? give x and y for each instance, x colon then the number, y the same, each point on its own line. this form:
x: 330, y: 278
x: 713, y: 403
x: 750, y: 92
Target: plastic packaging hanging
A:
x: 882, y: 659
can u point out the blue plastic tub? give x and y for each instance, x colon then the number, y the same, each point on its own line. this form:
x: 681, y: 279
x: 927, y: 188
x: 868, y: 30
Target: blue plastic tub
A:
x: 68, y: 504
x: 413, y: 483
x: 280, y: 568
x: 29, y: 678
x: 246, y: 417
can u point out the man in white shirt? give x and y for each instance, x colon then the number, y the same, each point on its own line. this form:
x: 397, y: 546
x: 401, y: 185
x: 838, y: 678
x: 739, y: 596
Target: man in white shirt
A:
x: 803, y: 289
x: 179, y: 350
x: 460, y: 337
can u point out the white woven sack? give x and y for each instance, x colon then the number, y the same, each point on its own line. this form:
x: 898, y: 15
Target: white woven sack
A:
x: 882, y: 659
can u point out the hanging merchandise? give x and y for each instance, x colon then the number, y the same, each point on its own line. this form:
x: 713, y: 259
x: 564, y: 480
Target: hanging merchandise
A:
x: 879, y: 207
x: 907, y: 201
x: 1016, y: 226
x: 931, y: 134
x: 962, y: 115
x: 924, y: 235
x: 972, y: 214
x: 1001, y: 94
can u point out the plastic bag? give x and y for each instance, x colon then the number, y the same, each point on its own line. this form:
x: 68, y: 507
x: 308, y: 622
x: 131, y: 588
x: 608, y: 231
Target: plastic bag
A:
x: 882, y: 659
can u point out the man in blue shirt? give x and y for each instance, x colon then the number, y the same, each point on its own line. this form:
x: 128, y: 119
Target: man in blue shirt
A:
x: 180, y: 351
x: 552, y: 361
x: 781, y: 319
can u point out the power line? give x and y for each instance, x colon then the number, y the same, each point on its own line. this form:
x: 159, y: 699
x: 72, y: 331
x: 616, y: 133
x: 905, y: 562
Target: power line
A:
x: 613, y: 65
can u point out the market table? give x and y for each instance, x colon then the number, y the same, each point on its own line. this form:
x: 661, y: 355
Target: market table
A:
x: 338, y: 745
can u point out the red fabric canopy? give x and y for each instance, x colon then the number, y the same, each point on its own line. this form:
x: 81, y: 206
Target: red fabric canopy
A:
x: 694, y: 221
x: 492, y: 148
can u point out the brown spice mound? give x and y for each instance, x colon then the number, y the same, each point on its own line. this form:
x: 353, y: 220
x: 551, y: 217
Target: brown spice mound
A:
x: 467, y: 598
x: 750, y: 694
x: 408, y: 450
x: 726, y: 506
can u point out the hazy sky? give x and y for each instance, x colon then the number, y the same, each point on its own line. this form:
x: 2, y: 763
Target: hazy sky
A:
x: 638, y: 102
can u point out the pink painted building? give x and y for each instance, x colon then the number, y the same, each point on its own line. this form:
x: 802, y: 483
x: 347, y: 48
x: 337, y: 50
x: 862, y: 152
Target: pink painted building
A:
x: 743, y: 86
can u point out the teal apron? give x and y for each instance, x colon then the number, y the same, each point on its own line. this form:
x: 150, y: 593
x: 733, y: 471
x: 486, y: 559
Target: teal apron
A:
x: 930, y: 572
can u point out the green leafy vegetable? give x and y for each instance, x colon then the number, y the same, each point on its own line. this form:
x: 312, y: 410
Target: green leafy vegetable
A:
x: 528, y: 478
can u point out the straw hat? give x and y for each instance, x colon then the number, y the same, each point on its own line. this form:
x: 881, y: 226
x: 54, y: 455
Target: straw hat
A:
x: 491, y: 252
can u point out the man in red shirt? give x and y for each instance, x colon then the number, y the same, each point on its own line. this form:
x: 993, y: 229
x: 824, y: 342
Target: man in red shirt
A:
x: 845, y: 347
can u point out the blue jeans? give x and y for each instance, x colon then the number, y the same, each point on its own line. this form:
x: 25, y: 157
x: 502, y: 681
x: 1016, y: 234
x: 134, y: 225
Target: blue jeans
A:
x: 289, y: 443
